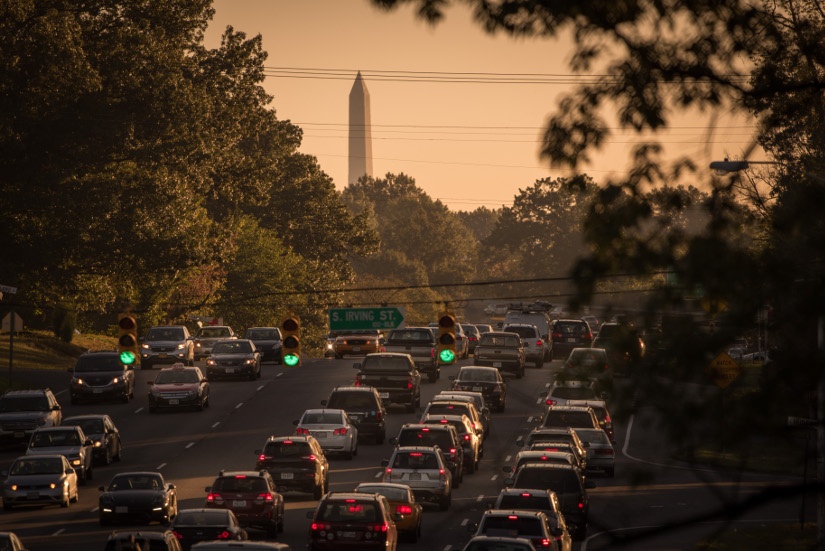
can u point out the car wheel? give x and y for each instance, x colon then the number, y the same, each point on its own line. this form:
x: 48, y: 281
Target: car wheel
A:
x: 611, y: 472
x: 318, y: 492
x: 65, y: 501
x: 6, y: 506
x: 540, y: 363
x: 119, y: 454
x: 471, y: 467
x: 379, y: 437
x: 90, y: 473
x: 252, y: 375
x: 444, y: 503
x: 107, y: 457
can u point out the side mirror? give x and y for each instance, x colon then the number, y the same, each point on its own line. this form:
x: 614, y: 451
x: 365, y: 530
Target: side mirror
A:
x: 70, y: 471
x: 208, y: 489
x: 472, y: 527
x: 258, y: 452
x: 56, y: 407
x: 451, y: 377
x: 101, y: 488
x: 323, y: 402
x: 589, y: 484
x: 88, y: 442
x: 70, y: 370
x: 485, y: 410
x: 296, y: 422
x: 509, y: 481
x: 310, y: 515
x: 150, y: 383
x: 507, y: 469
x: 393, y: 441
x: 385, y: 462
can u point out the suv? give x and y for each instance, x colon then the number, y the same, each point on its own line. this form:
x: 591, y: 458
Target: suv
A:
x: 143, y: 540
x: 443, y: 436
x: 467, y: 435
x: 100, y: 376
x: 444, y: 405
x: 623, y: 344
x: 70, y: 442
x: 476, y: 398
x: 268, y: 341
x: 296, y: 463
x: 424, y: 470
x: 166, y: 344
x: 532, y: 314
x: 252, y: 496
x: 350, y: 520
x: 571, y: 416
x: 531, y: 525
x: 208, y: 335
x: 566, y: 482
x: 569, y: 334
x: 22, y: 411
x: 364, y: 407
x: 534, y: 348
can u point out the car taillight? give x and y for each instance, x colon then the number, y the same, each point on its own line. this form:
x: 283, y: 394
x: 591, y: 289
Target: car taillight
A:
x: 550, y: 402
x: 225, y: 535
x: 409, y: 383
x: 581, y: 504
x: 453, y: 452
x: 300, y: 431
x: 358, y: 380
x: 557, y: 335
x: 262, y: 457
x: 316, y: 526
x: 265, y: 497
x: 178, y: 535
x: 378, y: 415
x: 442, y: 475
x: 388, y: 471
x: 403, y: 510
x: 379, y: 527
x: 310, y: 457
x: 432, y: 352
x: 467, y: 437
x: 340, y: 432
x: 539, y: 343
x: 214, y: 498
x: 545, y: 542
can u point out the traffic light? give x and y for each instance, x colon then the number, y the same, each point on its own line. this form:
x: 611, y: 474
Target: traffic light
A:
x: 127, y: 339
x: 446, y: 338
x: 291, y: 344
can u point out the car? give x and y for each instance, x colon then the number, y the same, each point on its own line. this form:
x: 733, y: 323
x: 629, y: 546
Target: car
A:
x: 558, y: 448
x: 601, y: 456
x: 10, y: 542
x: 40, y: 480
x: 568, y: 334
x: 623, y: 343
x: 100, y: 375
x: 492, y: 543
x: 589, y: 364
x: 332, y: 429
x: 487, y: 380
x: 142, y: 496
x: 101, y: 429
x: 421, y: 344
x: 545, y: 501
x: 566, y: 481
x: 296, y: 463
x: 352, y: 521
x: 395, y: 377
x: 444, y: 436
x: 441, y: 406
x: 502, y: 350
x: 563, y: 390
x: 424, y: 470
x: 570, y: 416
x: 219, y: 545
x: 603, y: 415
x: 166, y: 344
x: 470, y: 440
x: 268, y: 341
x: 533, y: 525
x: 233, y: 358
x: 536, y: 313
x: 359, y: 343
x: 477, y: 400
x: 406, y: 511
x: 23, y: 411
x: 483, y: 328
x: 549, y: 439
x: 70, y: 442
x: 252, y: 496
x: 207, y: 336
x: 544, y: 455
x: 177, y: 387
x: 472, y: 333
x: 142, y: 540
x: 534, y: 348
x: 593, y: 323
x: 365, y: 409
x: 194, y: 525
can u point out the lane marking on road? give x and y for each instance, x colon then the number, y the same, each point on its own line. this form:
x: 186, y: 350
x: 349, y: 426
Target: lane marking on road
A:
x: 239, y: 405
x: 447, y: 548
x: 465, y: 521
x: 138, y: 410
x: 480, y: 498
x: 216, y: 424
x: 632, y: 458
x: 189, y: 445
x: 279, y: 374
x: 508, y: 458
x: 59, y: 532
x: 260, y: 387
x: 495, y: 477
x: 378, y: 474
x: 60, y: 392
x: 539, y: 401
x: 94, y: 510
x: 159, y: 467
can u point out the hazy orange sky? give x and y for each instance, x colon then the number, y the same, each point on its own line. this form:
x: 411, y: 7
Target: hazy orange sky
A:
x: 466, y: 143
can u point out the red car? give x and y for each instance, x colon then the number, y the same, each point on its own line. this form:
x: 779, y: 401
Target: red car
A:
x: 178, y: 386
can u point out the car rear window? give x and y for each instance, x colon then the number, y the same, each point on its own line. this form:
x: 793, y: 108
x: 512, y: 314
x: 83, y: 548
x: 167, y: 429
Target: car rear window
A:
x: 421, y: 437
x: 533, y: 502
x: 411, y: 335
x: 321, y: 418
x: 89, y: 426
x: 568, y: 419
x: 352, y: 401
x: 508, y: 526
x: 574, y: 392
x: 571, y: 328
x: 202, y: 517
x: 498, y: 340
x: 348, y: 511
x: 444, y: 408
x: 415, y: 460
x: 287, y: 449
x: 240, y: 484
x: 387, y: 363
x: 262, y: 334
x: 23, y: 403
x: 561, y: 481
x: 523, y: 332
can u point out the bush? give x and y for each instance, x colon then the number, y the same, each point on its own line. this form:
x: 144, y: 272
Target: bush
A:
x: 64, y: 322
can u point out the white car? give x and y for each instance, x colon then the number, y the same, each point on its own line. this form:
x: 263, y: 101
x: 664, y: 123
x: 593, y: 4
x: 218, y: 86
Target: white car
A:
x: 332, y: 428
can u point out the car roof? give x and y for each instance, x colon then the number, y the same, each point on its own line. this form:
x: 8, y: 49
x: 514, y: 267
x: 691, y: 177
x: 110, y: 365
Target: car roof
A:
x: 27, y: 392
x: 350, y: 495
x: 324, y: 410
x: 250, y: 474
x: 142, y: 534
x: 518, y: 512
x: 353, y: 388
x: 181, y: 367
x: 569, y: 408
x: 519, y: 491
x: 295, y: 438
x: 558, y: 466
x: 429, y: 449
x: 86, y: 416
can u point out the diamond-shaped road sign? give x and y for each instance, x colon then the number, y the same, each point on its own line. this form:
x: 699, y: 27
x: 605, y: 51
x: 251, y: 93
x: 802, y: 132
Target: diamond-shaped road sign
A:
x: 723, y: 370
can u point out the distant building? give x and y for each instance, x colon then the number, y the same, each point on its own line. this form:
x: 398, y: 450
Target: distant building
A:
x: 360, y: 131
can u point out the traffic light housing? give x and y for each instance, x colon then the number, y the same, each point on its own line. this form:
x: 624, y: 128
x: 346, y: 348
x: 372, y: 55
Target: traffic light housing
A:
x: 291, y: 344
x: 446, y: 338
x: 127, y: 338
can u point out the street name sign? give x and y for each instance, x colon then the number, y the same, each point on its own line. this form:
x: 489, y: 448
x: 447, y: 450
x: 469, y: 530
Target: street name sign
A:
x: 385, y: 317
x: 7, y: 289
x: 723, y: 370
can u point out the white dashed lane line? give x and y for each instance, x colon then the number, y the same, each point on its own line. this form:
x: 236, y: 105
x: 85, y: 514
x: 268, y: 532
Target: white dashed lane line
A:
x: 189, y: 445
x: 159, y: 467
x: 465, y: 521
x: 138, y: 410
x: 59, y: 532
x: 239, y: 405
x: 216, y: 424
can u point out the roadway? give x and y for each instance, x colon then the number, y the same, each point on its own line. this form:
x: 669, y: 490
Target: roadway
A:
x: 650, y: 494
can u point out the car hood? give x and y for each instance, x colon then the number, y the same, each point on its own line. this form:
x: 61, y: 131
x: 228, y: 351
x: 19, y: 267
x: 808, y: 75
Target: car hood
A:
x: 22, y: 415
x: 238, y: 356
x: 54, y: 450
x: 173, y: 342
x: 131, y: 497
x: 174, y: 387
x: 34, y: 479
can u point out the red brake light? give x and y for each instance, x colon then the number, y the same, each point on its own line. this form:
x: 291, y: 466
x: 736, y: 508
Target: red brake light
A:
x: 550, y: 402
x: 425, y: 430
x: 310, y: 457
x: 358, y: 380
x: 212, y: 497
x: 539, y: 343
x: 287, y: 442
x: 225, y: 535
x: 315, y: 526
x: 261, y: 457
x: 349, y: 501
x: 512, y: 517
x: 379, y: 527
x: 178, y: 535
x: 267, y: 497
x: 581, y: 505
x: 300, y: 431
x: 443, y: 421
x: 340, y: 432
x: 240, y: 476
x: 526, y: 494
x: 545, y: 543
x: 415, y: 454
x: 467, y: 437
x: 403, y: 510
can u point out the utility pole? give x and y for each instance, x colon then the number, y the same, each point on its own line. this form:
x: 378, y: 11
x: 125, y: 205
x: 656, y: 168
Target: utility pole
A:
x: 820, y: 435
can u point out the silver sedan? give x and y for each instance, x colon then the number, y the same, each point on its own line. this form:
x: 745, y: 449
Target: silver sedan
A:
x: 332, y: 429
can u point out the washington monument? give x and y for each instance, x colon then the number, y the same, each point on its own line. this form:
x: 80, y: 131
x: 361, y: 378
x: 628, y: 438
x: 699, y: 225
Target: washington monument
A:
x: 360, y: 132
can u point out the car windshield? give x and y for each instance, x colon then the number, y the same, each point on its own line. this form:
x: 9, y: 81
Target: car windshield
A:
x: 201, y: 517
x: 165, y: 334
x: 262, y: 334
x: 240, y: 483
x: 89, y: 426
x: 232, y: 347
x: 36, y: 466
x: 481, y: 375
x: 213, y: 332
x: 523, y: 332
x: 503, y: 341
x: 287, y: 448
x: 350, y: 510
x: 524, y: 500
x: 176, y: 376
x: 46, y: 439
x: 415, y: 460
x: 352, y: 400
x: 93, y: 364
x: 136, y: 482
x: 23, y: 403
x: 594, y: 436
x: 587, y: 357
x: 322, y: 417
x: 390, y: 492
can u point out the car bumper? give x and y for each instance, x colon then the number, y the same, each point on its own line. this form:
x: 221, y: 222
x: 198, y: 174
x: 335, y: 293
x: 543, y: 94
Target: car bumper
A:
x: 132, y: 514
x: 98, y: 393
x: 169, y: 358
x: 35, y: 497
x: 174, y: 403
x: 243, y: 371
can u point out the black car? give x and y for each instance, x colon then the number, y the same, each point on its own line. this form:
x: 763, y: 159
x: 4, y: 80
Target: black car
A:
x: 194, y: 525
x: 364, y: 407
x: 100, y: 428
x: 234, y: 358
x: 100, y: 376
x: 142, y: 496
x: 252, y: 496
x: 486, y: 380
x: 142, y: 539
x: 296, y: 463
x: 568, y: 334
x: 268, y: 341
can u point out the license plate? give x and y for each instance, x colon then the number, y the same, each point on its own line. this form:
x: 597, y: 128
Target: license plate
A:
x: 33, y: 495
x: 415, y: 476
x: 383, y: 394
x: 230, y: 370
x: 348, y: 535
x: 174, y: 402
x: 287, y: 476
x: 320, y: 434
x: 496, y: 364
x: 97, y: 391
x: 571, y: 340
x: 161, y: 355
x: 121, y: 509
x: 19, y: 434
x: 476, y: 389
x: 238, y: 503
x: 356, y: 349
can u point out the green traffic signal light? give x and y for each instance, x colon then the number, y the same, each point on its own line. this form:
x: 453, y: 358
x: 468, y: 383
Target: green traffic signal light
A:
x: 446, y: 356
x: 291, y: 360
x: 127, y: 357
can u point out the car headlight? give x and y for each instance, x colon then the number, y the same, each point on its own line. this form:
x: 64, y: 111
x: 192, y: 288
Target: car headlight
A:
x: 145, y: 346
x: 250, y: 361
x: 77, y: 381
x: 76, y: 461
x: 117, y: 380
x: 181, y: 346
x: 211, y: 362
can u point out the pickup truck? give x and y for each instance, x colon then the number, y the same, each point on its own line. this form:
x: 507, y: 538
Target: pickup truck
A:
x: 420, y: 343
x: 394, y: 376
